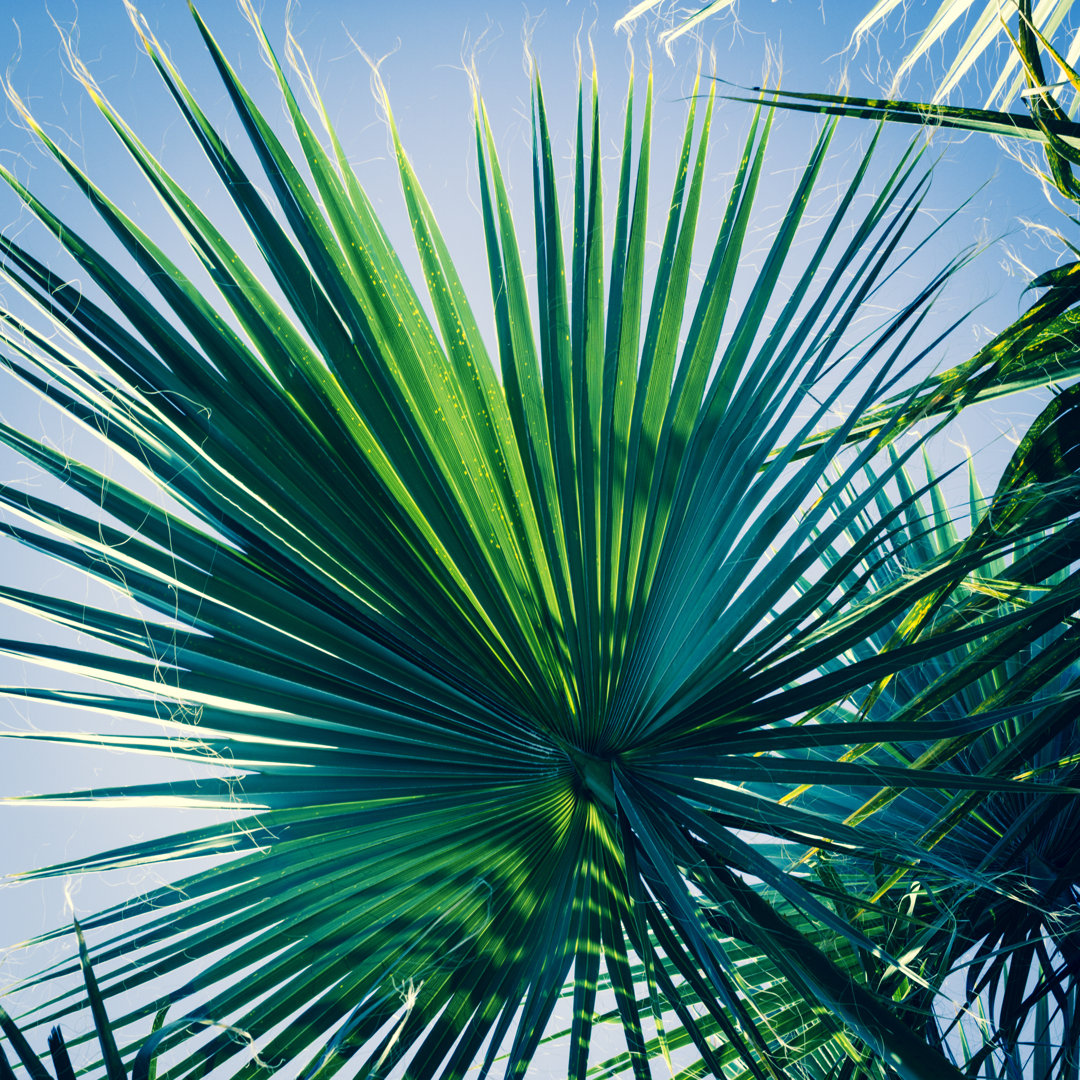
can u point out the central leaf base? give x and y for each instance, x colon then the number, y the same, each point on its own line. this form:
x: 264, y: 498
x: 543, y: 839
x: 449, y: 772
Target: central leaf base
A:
x: 595, y: 775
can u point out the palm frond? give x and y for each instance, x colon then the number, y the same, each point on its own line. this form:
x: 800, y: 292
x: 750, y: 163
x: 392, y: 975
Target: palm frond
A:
x: 523, y: 672
x: 144, y: 1066
x: 986, y: 25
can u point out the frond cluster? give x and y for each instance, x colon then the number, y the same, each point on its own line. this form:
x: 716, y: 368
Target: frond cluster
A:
x: 600, y: 672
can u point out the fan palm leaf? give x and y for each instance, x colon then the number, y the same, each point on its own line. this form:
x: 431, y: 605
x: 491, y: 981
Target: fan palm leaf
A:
x: 1017, y: 951
x: 521, y: 670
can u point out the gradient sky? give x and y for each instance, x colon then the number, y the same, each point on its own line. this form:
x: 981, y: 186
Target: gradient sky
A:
x: 426, y: 46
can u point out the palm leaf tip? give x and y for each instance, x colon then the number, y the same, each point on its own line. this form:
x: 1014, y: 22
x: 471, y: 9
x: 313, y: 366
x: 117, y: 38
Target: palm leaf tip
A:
x: 517, y: 664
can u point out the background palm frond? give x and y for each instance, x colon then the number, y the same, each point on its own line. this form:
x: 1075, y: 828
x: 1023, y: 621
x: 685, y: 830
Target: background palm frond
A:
x: 983, y: 51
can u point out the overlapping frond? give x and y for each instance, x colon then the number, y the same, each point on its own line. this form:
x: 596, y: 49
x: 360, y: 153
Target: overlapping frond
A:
x: 974, y: 35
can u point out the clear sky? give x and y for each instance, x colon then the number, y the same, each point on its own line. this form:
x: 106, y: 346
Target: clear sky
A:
x: 426, y: 46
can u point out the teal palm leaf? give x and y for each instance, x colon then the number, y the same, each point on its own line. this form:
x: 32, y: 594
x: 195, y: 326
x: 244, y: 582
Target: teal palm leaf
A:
x: 1015, y: 948
x: 522, y: 663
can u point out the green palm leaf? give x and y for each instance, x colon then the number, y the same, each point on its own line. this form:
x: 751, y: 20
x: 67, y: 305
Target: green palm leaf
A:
x: 512, y: 666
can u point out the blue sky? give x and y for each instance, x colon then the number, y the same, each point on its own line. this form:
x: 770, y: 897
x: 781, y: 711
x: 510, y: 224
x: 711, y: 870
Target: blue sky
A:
x: 426, y: 47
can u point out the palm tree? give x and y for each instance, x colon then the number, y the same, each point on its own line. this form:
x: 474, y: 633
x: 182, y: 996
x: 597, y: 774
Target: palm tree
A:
x: 612, y: 674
